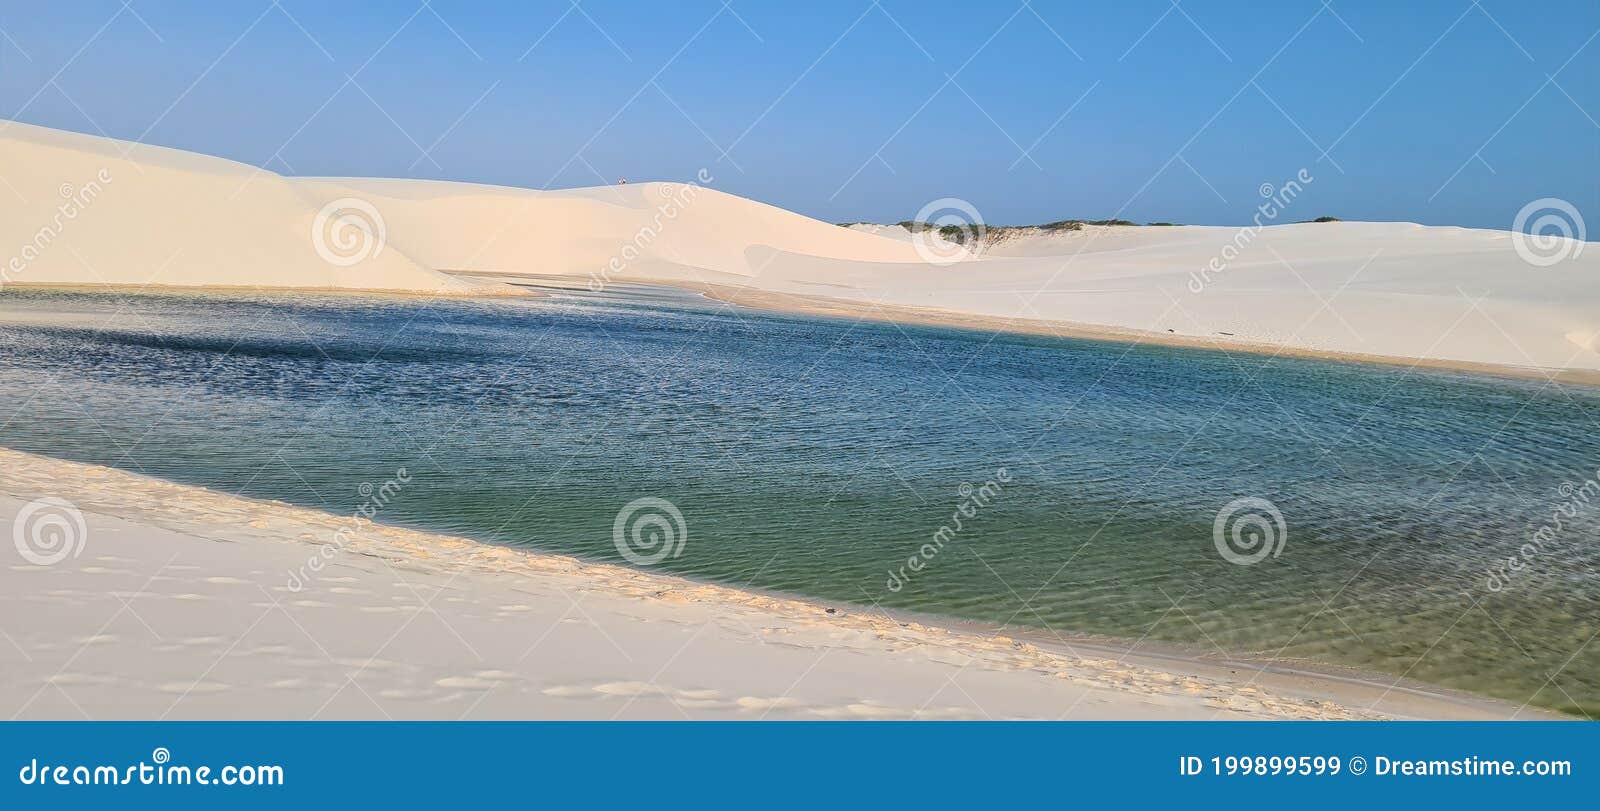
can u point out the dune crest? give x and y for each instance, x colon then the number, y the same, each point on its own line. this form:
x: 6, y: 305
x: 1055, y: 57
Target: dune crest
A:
x: 88, y: 210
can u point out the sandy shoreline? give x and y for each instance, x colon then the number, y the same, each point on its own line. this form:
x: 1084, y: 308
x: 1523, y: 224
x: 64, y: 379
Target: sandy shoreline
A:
x: 512, y: 286
x: 889, y: 313
x: 495, y: 291
x: 178, y: 605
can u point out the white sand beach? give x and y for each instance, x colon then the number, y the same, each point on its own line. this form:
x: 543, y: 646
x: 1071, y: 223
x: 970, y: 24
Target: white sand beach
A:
x: 1403, y: 292
x: 176, y: 602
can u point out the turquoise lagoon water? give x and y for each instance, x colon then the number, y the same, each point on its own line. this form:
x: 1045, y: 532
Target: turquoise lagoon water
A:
x: 820, y: 456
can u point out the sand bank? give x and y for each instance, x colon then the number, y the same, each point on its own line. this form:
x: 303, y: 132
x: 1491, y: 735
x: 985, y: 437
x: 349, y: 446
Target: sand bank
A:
x: 889, y: 313
x: 178, y: 602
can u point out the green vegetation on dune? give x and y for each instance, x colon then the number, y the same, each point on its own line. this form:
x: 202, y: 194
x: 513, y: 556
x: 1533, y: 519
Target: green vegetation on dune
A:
x: 960, y: 234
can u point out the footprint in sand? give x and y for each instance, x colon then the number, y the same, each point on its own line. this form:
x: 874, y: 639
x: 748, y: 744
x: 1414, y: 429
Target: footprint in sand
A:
x: 767, y: 704
x: 79, y: 679
x: 498, y: 675
x: 700, y: 699
x: 869, y: 711
x: 630, y: 689
x: 465, y: 683
x: 404, y: 693
x: 192, y: 688
x: 703, y: 703
x: 569, y: 691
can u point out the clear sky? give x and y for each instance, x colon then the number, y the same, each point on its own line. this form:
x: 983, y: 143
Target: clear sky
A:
x: 1434, y: 111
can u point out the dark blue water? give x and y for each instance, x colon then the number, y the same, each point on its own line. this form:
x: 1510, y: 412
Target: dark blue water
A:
x: 823, y: 457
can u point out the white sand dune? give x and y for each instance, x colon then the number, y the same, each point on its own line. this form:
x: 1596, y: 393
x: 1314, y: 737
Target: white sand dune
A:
x: 79, y: 209
x: 460, y: 226
x: 177, y: 602
x: 1386, y: 290
x: 1381, y: 289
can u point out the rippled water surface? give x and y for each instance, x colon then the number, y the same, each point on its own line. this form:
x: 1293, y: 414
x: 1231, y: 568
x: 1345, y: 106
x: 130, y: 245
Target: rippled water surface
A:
x: 819, y: 456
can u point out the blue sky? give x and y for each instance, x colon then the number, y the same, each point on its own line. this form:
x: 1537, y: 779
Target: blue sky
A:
x: 1437, y: 111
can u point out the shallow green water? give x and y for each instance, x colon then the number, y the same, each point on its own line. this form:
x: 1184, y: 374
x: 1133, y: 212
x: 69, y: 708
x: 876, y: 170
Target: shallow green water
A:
x: 819, y: 456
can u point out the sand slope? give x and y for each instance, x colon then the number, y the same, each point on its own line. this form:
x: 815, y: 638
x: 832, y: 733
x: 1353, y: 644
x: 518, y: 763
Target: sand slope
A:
x: 1385, y: 289
x: 1392, y: 290
x: 76, y: 210
x: 462, y: 226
